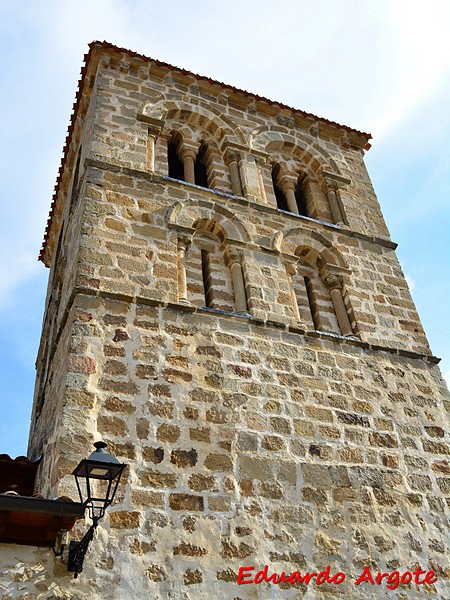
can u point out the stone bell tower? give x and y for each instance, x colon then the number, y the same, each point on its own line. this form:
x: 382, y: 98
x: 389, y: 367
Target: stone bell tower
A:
x: 226, y: 309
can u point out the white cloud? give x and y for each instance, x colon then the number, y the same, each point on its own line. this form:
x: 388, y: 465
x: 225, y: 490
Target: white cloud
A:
x: 421, y: 59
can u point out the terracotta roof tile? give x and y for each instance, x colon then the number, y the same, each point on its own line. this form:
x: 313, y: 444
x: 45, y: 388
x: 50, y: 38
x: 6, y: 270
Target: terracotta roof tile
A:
x: 17, y: 474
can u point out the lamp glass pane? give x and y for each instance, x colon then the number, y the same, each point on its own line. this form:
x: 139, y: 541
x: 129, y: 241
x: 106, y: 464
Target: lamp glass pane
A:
x: 99, y: 471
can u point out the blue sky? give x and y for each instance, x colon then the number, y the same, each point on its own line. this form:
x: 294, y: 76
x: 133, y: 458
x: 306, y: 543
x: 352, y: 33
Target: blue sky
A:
x: 381, y: 67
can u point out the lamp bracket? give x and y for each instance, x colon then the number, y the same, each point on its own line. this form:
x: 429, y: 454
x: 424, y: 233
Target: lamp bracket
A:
x: 77, y: 551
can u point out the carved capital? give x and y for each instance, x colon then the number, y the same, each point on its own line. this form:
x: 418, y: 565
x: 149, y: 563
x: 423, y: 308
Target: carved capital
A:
x: 232, y: 255
x: 232, y: 155
x: 330, y: 185
x: 188, y: 149
x: 291, y: 268
x: 232, y: 147
x: 154, y: 133
x: 333, y: 281
x: 339, y: 180
x: 263, y: 160
x: 287, y: 181
x: 184, y: 242
x: 155, y: 126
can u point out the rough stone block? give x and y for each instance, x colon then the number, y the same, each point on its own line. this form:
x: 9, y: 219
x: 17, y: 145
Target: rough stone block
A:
x: 123, y: 519
x: 186, y: 502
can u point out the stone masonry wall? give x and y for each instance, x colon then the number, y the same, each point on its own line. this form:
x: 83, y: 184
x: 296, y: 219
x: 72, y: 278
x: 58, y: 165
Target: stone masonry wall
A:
x: 131, y: 247
x: 251, y: 438
x: 249, y: 445
x: 126, y: 90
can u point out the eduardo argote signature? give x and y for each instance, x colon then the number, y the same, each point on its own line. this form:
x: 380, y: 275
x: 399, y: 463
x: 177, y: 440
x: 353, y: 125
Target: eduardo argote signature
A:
x: 392, y: 580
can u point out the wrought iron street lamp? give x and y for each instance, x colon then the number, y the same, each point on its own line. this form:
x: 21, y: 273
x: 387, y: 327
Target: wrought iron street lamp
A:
x: 97, y: 479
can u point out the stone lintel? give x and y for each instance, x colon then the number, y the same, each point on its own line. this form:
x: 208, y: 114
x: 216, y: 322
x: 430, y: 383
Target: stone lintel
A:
x: 339, y: 179
x: 232, y: 147
x: 333, y: 270
x: 156, y: 125
x: 182, y: 229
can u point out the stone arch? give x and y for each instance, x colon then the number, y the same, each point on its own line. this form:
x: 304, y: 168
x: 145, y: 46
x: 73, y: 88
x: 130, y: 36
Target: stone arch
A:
x: 208, y: 276
x: 210, y: 272
x: 205, y: 134
x: 300, y: 174
x: 211, y: 228
x: 313, y: 158
x: 189, y: 214
x: 316, y: 270
x: 218, y: 126
x: 295, y: 240
x: 207, y: 158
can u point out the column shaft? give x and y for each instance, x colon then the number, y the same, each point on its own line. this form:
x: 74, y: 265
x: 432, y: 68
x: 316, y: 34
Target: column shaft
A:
x: 235, y: 178
x: 262, y: 189
x: 182, y: 284
x: 341, y: 312
x: 334, y: 207
x: 151, y: 152
x: 291, y: 271
x: 289, y: 192
x: 238, y: 286
x: 189, y: 172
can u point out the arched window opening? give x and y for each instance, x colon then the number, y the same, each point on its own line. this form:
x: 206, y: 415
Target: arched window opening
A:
x: 208, y: 278
x: 200, y: 169
x: 300, y: 196
x: 314, y: 302
x: 176, y: 167
x: 279, y: 195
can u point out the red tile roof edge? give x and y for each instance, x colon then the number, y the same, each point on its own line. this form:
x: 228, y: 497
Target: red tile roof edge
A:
x: 19, y: 459
x: 170, y: 67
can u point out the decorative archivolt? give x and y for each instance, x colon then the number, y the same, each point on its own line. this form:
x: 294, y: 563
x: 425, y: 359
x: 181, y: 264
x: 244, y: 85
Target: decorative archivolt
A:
x: 219, y: 126
x: 312, y: 158
x: 310, y: 247
x: 209, y: 218
x: 319, y: 275
x: 218, y: 264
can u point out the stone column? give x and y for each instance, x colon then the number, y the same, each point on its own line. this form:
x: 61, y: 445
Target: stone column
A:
x: 334, y: 207
x: 333, y: 202
x: 154, y: 128
x: 151, y: 141
x: 287, y: 184
x: 261, y: 165
x: 291, y: 270
x: 234, y: 258
x: 334, y: 283
x: 182, y: 247
x: 188, y: 153
x: 233, y: 165
x: 331, y: 188
x: 249, y: 178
